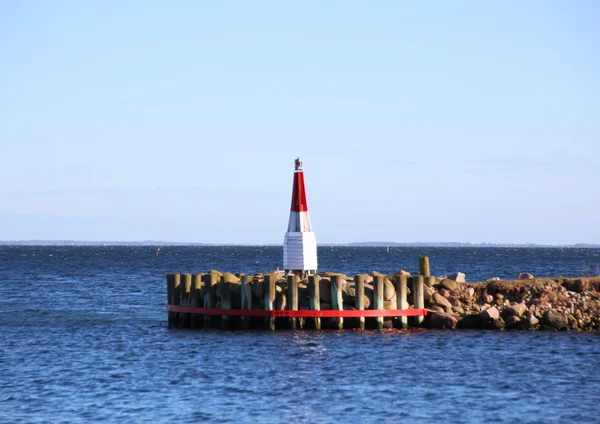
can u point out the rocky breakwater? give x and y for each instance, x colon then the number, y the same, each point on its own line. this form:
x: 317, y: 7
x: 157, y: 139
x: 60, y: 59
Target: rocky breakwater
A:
x: 528, y: 304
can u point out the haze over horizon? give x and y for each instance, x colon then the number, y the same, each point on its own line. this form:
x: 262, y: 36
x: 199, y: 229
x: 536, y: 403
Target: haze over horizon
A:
x: 464, y: 121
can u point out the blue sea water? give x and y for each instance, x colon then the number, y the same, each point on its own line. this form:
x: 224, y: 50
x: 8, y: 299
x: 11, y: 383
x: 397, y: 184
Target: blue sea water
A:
x: 84, y: 339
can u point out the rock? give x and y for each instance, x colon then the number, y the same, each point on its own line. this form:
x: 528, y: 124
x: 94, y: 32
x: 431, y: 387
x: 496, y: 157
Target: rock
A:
x: 228, y: 277
x: 488, y: 298
x: 458, y: 309
x: 518, y: 309
x: 445, y: 293
x: 459, y: 277
x: 436, y: 308
x: 525, y: 276
x: 442, y: 321
x: 438, y: 299
x: 490, y: 313
x: 495, y: 324
x: 325, y: 290
x: 389, y: 291
x: 491, y: 280
x: 401, y: 272
x: 449, y: 284
x: 427, y: 293
x: 471, y: 322
x: 470, y: 291
x: 556, y: 320
x: 512, y: 321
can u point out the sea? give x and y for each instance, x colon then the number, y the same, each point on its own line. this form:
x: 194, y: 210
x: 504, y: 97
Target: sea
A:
x: 84, y: 339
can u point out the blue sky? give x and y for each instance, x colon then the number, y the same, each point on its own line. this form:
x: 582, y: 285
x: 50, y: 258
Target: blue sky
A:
x: 179, y: 121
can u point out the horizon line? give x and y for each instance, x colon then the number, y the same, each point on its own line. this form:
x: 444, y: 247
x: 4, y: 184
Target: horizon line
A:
x: 35, y: 242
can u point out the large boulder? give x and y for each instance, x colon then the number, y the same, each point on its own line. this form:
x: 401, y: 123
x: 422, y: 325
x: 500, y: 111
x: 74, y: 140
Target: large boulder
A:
x: 491, y: 280
x: 525, y: 276
x: 439, y: 300
x: 441, y: 321
x: 490, y: 313
x: 459, y: 277
x: 472, y: 322
x: 556, y: 320
x: 389, y: 291
x: 449, y: 284
x: 517, y: 310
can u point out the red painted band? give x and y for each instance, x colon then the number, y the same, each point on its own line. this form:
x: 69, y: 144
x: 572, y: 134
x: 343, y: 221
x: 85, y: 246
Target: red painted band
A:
x: 370, y: 313
x: 298, y: 194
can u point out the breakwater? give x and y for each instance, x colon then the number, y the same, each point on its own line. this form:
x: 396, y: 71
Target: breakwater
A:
x: 375, y: 301
x: 275, y: 301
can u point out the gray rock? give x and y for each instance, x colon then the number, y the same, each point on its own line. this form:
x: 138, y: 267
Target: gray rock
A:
x: 525, y: 276
x: 459, y: 277
x: 438, y: 299
x: 442, y: 321
x: 458, y: 309
x: 470, y: 291
x: 518, y: 309
x: 490, y: 313
x: 449, y: 284
x: 491, y: 280
x: 556, y: 320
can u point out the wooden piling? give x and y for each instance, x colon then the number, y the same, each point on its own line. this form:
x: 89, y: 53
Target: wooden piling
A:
x: 292, y: 298
x: 401, y: 302
x: 359, y: 297
x: 430, y: 281
x: 314, y: 282
x: 378, y: 287
x: 225, y: 302
x: 246, y: 293
x: 270, y: 280
x: 173, y: 317
x: 210, y: 281
x: 424, y: 266
x: 418, y: 296
x: 337, y: 302
x: 196, y: 300
x: 185, y: 287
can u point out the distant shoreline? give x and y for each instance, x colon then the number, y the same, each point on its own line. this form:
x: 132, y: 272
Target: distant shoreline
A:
x: 354, y: 244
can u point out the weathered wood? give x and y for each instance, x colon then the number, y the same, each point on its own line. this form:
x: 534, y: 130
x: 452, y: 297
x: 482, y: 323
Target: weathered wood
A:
x: 359, y: 297
x: 378, y: 287
x: 315, y: 298
x: 184, y: 290
x: 337, y: 302
x: 225, y: 290
x: 246, y: 293
x: 430, y: 281
x: 424, y: 266
x: 418, y: 296
x: 175, y: 297
x: 270, y: 280
x: 173, y: 317
x: 210, y: 282
x: 401, y: 301
x: 196, y: 300
x: 292, y: 298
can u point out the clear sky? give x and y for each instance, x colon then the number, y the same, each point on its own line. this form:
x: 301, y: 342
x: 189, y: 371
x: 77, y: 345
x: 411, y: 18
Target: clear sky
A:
x: 459, y: 121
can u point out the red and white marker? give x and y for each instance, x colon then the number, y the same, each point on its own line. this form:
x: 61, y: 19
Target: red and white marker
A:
x: 299, y: 244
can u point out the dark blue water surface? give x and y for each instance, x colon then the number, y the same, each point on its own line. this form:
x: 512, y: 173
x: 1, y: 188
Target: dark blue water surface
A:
x: 83, y: 338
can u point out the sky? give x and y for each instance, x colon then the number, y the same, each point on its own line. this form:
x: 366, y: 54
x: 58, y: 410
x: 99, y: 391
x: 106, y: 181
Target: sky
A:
x: 463, y: 121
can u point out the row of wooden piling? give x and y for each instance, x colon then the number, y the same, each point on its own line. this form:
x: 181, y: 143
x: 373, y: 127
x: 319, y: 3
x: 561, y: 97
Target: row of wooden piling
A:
x: 198, y: 292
